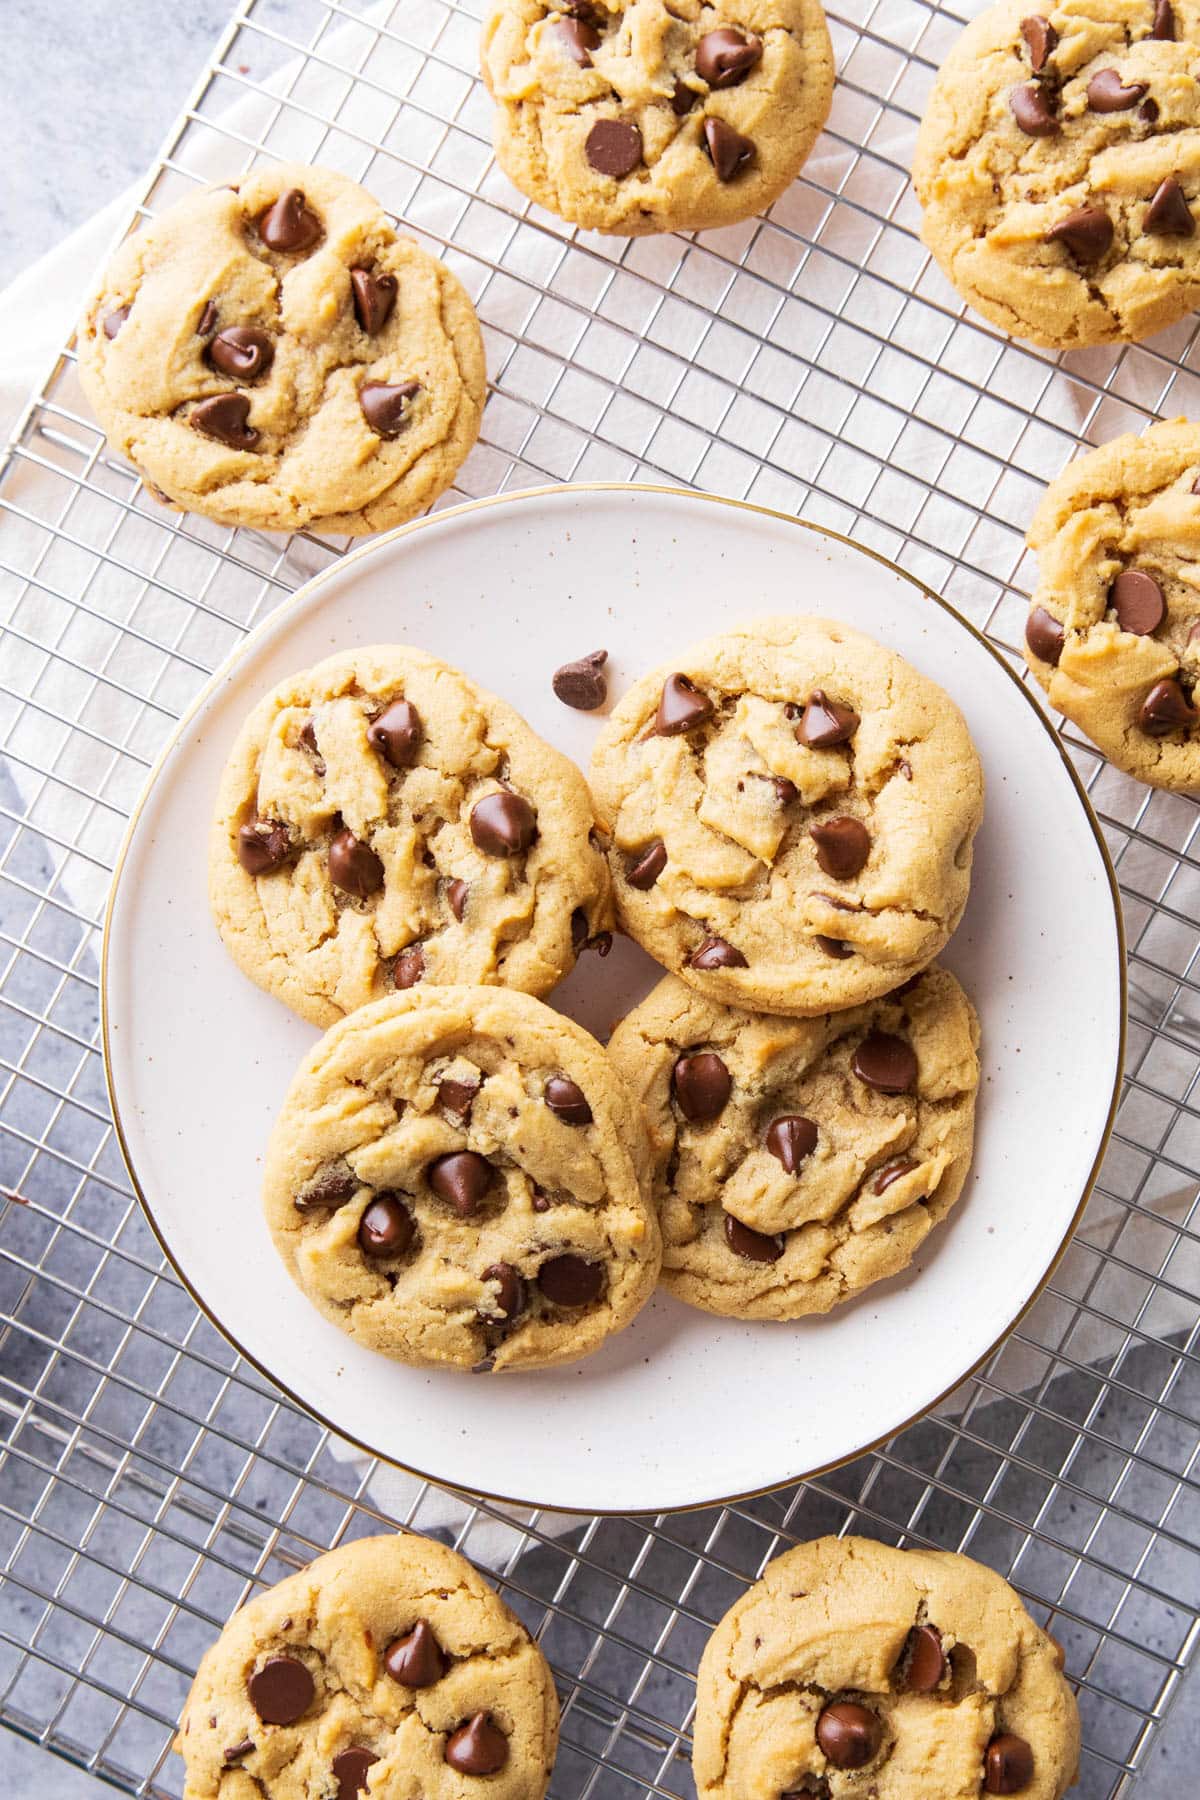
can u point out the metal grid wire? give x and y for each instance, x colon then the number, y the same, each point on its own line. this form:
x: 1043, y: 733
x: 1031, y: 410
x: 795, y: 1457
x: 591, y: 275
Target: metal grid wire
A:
x: 812, y: 361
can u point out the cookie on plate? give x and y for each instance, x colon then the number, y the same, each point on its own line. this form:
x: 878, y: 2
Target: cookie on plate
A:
x: 272, y: 354
x: 1058, y: 163
x: 855, y: 1668
x: 1113, y: 633
x: 796, y: 1161
x: 633, y: 116
x: 790, y: 810
x: 382, y: 821
x: 387, y: 1666
x: 456, y: 1178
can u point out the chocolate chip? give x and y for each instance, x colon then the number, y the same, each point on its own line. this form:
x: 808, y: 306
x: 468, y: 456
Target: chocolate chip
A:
x: 716, y: 953
x: 416, y: 1660
x: 1148, y: 110
x: 461, y: 1178
x: 702, y: 1086
x: 886, y: 1063
x: 833, y: 946
x: 922, y: 1663
x: 613, y: 147
x: 242, y: 352
x: 207, y: 322
x: 571, y: 1280
x: 1168, y: 214
x: 1007, y: 1764
x: 408, y: 968
x: 1032, y: 109
x: 385, y: 405
x: 540, y: 1201
x: 262, y: 845
x: 386, y: 1227
x: 580, y: 684
x: 683, y: 98
x: 1044, y: 635
x: 578, y: 39
x: 308, y: 737
x: 786, y: 792
x: 1106, y: 93
x: 477, y: 1748
x: 456, y: 894
x: 579, y: 930
x: 728, y: 150
x: 223, y: 417
x: 644, y: 870
x: 1164, y: 21
x: 503, y: 824
x: 113, y: 321
x: 790, y: 1139
x: 350, y: 1770
x: 457, y: 1098
x: 753, y: 1246
x: 353, y: 865
x: 1087, y: 233
x: 510, y: 1299
x: 374, y: 297
x: 849, y: 1734
x: 1041, y: 38
x: 1138, y: 602
x: 725, y: 57
x: 681, y: 707
x: 843, y: 846
x: 281, y: 1691
x: 396, y: 734
x: 290, y: 224
x: 234, y: 1752
x: 331, y: 1186
x: 892, y: 1171
x: 566, y: 1101
x: 826, y: 722
x: 1166, y: 708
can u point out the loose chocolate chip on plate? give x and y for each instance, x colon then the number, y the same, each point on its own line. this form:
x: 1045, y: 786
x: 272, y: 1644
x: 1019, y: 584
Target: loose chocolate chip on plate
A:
x: 886, y: 1063
x: 1007, y: 1764
x: 843, y: 846
x: 331, y: 1186
x: 923, y: 1662
x: 234, y: 1752
x: 510, y: 1295
x: 578, y: 39
x: 892, y: 1171
x: 645, y: 869
x: 1107, y: 93
x: 396, y: 734
x: 1166, y: 708
x: 290, y: 224
x: 503, y: 824
x: 1138, y: 602
x: 281, y: 1691
x: 580, y: 684
x: 570, y: 1280
x: 224, y: 417
x: 826, y: 722
x: 1044, y: 635
x: 462, y: 1178
x: 262, y: 845
x: 681, y: 707
x: 725, y: 57
x: 386, y: 1227
x: 353, y: 865
x: 1168, y: 214
x: 790, y: 1139
x: 477, y: 1748
x: 613, y: 147
x: 385, y: 405
x: 1164, y: 21
x: 1041, y: 38
x: 374, y: 297
x: 242, y: 352
x: 456, y: 894
x: 717, y: 953
x: 1087, y: 233
x: 728, y: 150
x: 1032, y: 108
x: 752, y: 1246
x: 702, y: 1086
x: 417, y: 1659
x: 833, y: 946
x: 350, y: 1770
x: 113, y: 321
x: 566, y: 1101
x: 849, y: 1734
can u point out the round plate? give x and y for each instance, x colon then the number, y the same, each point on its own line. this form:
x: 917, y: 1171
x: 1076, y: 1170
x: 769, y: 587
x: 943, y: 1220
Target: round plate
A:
x: 682, y: 1409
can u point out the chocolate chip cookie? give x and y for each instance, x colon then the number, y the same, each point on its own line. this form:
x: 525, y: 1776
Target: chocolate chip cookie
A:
x: 796, y: 1161
x: 456, y: 1178
x: 790, y: 809
x: 272, y: 354
x: 386, y: 1667
x: 382, y: 822
x: 632, y: 116
x: 855, y: 1668
x: 1113, y: 633
x: 1058, y: 163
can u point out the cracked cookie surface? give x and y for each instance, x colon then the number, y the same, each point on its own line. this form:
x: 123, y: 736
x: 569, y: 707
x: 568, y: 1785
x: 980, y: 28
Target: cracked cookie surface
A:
x: 1058, y: 163
x: 456, y: 1177
x: 383, y: 822
x: 271, y: 354
x: 644, y: 116
x: 1113, y: 633
x: 386, y: 1667
x: 796, y: 1161
x: 852, y: 1668
x: 790, y: 809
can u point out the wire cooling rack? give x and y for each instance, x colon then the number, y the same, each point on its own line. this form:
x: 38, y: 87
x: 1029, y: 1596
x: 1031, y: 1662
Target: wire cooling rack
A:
x: 813, y: 361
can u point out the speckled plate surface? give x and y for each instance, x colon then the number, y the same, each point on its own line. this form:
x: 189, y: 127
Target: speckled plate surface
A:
x: 682, y: 1409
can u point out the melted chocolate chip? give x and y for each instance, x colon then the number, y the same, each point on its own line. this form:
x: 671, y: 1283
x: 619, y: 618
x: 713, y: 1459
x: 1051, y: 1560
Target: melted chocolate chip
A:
x: 790, y: 1139
x: 1168, y: 214
x: 683, y: 98
x: 374, y: 297
x: 833, y: 946
x: 923, y: 1663
x: 456, y: 894
x: 281, y: 1691
x: 408, y: 968
x: 233, y: 1753
x: 681, y: 707
x: 702, y: 1086
x: 571, y: 1280
x: 290, y: 225
x: 386, y: 1227
x: 396, y: 734
x: 751, y: 1246
x: 262, y: 845
x: 1087, y: 233
x: 385, y: 405
x: 207, y: 322
x: 717, y: 953
x: 892, y: 1171
x: 613, y: 147
x: 1041, y: 38
x: 849, y: 1734
x: 725, y: 57
x: 566, y: 1101
x: 510, y: 1289
x: 826, y: 722
x: 242, y: 352
x: 331, y: 1186
x: 224, y: 417
x: 457, y: 1098
x: 417, y: 1659
x: 477, y: 1748
x: 886, y: 1063
x: 1007, y: 1764
x: 1044, y: 635
x: 1107, y: 93
x: 461, y: 1178
x: 580, y: 684
x: 1138, y: 602
x: 578, y: 39
x: 353, y: 865
x: 350, y: 1769
x: 1032, y: 108
x: 843, y: 846
x: 645, y: 869
x: 503, y: 824
x: 1166, y: 708
x: 1163, y: 27
x: 729, y: 152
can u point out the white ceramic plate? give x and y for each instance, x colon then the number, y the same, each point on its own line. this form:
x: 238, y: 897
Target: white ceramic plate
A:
x: 681, y: 1409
